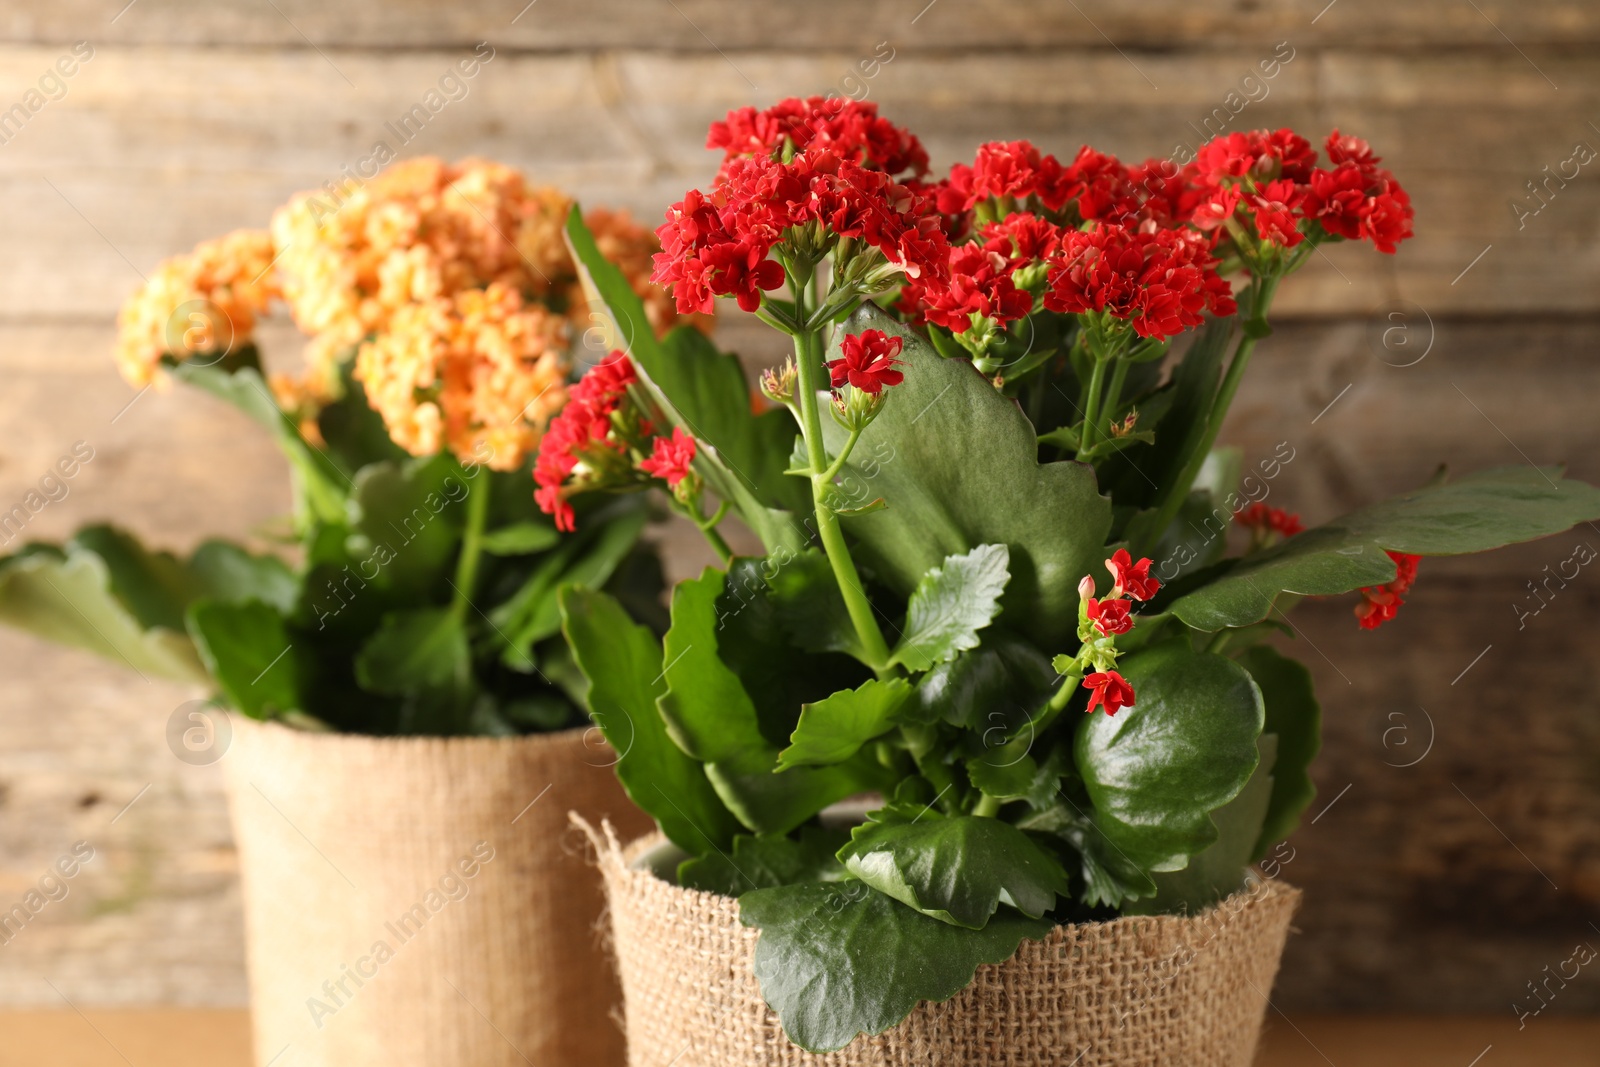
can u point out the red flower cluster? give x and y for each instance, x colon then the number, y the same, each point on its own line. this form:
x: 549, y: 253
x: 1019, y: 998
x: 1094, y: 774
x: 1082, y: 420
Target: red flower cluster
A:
x: 718, y: 245
x: 1271, y: 180
x: 1161, y: 281
x: 849, y: 129
x: 867, y: 361
x: 1261, y: 520
x: 1379, y: 603
x: 599, y: 441
x: 1110, y: 617
x: 1144, y: 242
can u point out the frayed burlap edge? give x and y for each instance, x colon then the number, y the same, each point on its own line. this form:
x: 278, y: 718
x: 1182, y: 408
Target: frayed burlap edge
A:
x: 1134, y: 992
x: 456, y: 856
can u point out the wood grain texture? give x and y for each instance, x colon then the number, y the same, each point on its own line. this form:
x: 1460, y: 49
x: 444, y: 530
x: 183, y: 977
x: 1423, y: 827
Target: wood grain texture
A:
x: 706, y: 25
x: 108, y: 181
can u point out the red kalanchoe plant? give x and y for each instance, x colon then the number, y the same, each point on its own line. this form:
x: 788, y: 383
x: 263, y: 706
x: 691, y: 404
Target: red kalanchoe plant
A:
x: 867, y: 361
x: 1040, y: 518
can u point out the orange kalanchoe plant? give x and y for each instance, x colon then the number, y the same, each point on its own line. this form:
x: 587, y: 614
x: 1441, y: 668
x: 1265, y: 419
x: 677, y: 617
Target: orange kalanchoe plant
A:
x: 445, y: 318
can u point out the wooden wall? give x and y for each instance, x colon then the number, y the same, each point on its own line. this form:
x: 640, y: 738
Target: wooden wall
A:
x: 1445, y: 885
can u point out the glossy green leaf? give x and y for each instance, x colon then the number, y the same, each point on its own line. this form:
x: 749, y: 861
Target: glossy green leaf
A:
x: 1485, y: 510
x: 1295, y: 719
x: 811, y: 608
x: 958, y: 870
x: 839, y: 959
x: 416, y: 649
x: 251, y: 655
x: 1218, y: 870
x: 1155, y: 771
x: 763, y: 861
x: 711, y: 716
x: 67, y: 597
x: 950, y: 605
x: 993, y: 687
x: 622, y: 662
x: 1009, y: 771
x: 834, y: 729
x: 156, y: 586
x: 957, y: 463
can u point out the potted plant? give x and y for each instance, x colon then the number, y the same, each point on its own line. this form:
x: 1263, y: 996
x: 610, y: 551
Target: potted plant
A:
x: 974, y: 763
x: 397, y: 691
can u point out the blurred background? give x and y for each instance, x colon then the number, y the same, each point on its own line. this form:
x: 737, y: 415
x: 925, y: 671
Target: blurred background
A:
x: 1453, y: 854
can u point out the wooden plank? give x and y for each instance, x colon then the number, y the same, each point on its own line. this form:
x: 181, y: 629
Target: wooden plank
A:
x: 705, y: 25
x: 214, y: 140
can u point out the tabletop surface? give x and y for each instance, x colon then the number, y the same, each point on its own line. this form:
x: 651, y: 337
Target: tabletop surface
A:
x: 211, y: 1038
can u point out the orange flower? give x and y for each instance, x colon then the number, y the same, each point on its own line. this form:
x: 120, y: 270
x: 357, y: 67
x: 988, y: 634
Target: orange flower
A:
x: 201, y: 304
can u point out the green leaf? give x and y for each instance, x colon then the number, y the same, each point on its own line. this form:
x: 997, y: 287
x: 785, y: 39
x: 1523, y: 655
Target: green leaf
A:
x: 834, y: 729
x: 1009, y: 772
x: 521, y: 538
x: 1186, y: 747
x: 533, y: 612
x: 838, y: 959
x: 1219, y: 870
x: 155, y: 586
x: 1295, y: 719
x: 704, y: 393
x: 67, y: 597
x: 711, y: 716
x: 957, y: 463
x: 997, y: 685
x: 764, y: 861
x: 225, y: 572
x: 250, y: 653
x: 408, y: 517
x: 414, y: 650
x: 810, y: 606
x: 1485, y: 510
x: 950, y: 605
x: 958, y: 870
x: 622, y: 662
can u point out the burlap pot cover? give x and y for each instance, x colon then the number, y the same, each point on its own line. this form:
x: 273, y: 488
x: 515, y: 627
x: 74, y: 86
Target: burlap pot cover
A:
x: 1163, y: 991
x: 424, y: 902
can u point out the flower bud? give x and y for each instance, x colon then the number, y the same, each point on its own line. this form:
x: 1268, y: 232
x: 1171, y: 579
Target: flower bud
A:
x: 1086, y: 587
x: 777, y: 384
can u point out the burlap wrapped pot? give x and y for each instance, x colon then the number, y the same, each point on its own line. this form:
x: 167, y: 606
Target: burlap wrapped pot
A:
x: 1162, y: 991
x: 424, y: 902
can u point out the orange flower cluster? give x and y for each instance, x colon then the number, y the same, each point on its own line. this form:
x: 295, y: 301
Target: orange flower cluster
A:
x: 450, y: 288
x: 201, y: 304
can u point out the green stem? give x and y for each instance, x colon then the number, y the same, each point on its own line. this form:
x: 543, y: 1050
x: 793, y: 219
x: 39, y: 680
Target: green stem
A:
x: 844, y: 454
x: 1261, y: 292
x: 1119, y: 378
x: 1091, y: 405
x: 808, y: 363
x: 708, y: 527
x: 471, y: 546
x: 987, y: 806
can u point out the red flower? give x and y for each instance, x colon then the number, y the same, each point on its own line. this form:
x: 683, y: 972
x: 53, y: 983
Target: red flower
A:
x: 1110, y: 617
x: 1259, y: 154
x: 718, y: 246
x: 671, y: 458
x: 1161, y: 282
x: 1110, y: 689
x: 849, y: 128
x: 1022, y: 238
x: 1379, y: 603
x: 580, y: 432
x: 979, y: 284
x: 1276, y: 213
x: 1130, y: 577
x: 1018, y: 170
x: 1264, y: 519
x: 867, y: 361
